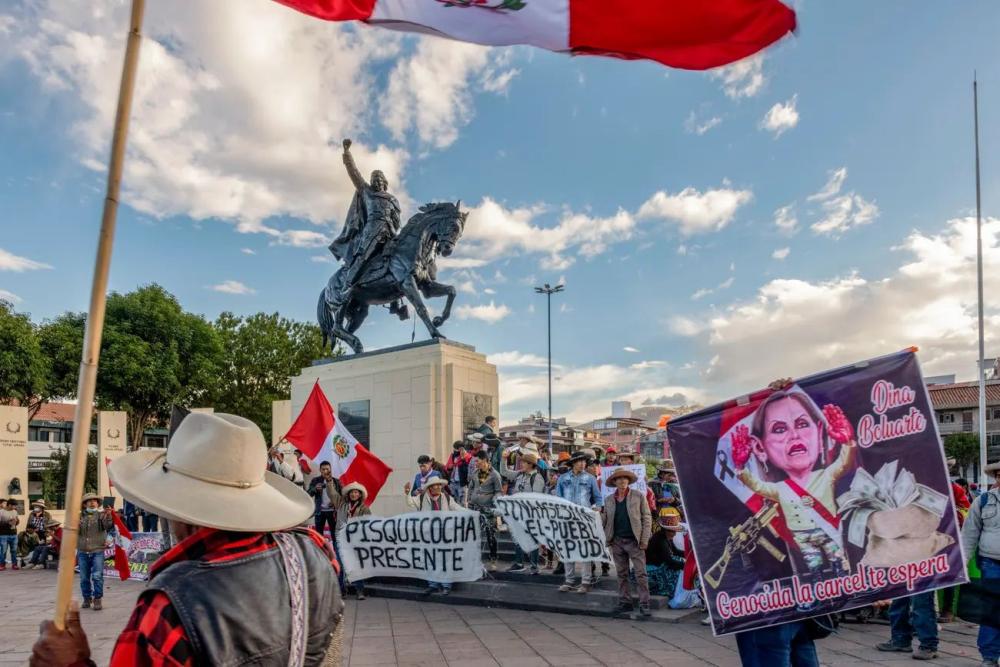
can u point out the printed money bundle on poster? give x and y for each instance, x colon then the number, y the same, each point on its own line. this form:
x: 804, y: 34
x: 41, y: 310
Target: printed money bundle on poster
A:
x: 829, y: 494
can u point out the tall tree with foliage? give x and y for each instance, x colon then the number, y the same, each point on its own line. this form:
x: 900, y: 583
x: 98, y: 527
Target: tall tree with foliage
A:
x: 23, y: 367
x: 963, y: 447
x: 262, y: 353
x: 55, y: 475
x: 153, y: 355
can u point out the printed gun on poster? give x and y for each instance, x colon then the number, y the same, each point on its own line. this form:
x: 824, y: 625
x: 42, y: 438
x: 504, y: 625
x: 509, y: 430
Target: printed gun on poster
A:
x: 744, y: 539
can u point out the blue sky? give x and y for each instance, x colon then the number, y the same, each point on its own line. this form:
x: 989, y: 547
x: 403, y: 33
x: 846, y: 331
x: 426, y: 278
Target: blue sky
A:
x: 656, y: 194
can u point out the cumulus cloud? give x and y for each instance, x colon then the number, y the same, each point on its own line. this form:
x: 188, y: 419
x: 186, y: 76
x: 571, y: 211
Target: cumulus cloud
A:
x: 517, y: 359
x: 695, y: 125
x: 744, y: 78
x: 232, y: 287
x: 795, y: 327
x: 490, y: 313
x: 840, y: 212
x: 11, y: 262
x: 676, y: 399
x: 781, y: 117
x: 696, y: 212
x: 781, y: 253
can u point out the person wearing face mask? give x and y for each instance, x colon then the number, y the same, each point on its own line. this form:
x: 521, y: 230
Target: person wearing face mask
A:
x: 94, y: 527
x: 39, y: 518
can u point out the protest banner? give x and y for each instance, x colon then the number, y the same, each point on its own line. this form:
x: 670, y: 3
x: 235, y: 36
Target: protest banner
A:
x: 572, y: 531
x: 637, y: 469
x: 142, y: 550
x: 437, y: 546
x: 797, y: 511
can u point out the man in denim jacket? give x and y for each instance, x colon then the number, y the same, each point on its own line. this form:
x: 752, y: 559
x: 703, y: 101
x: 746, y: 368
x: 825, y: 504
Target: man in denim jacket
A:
x: 580, y: 488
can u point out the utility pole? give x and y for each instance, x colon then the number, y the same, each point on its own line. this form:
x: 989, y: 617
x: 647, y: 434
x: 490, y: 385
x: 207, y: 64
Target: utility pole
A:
x: 548, y: 291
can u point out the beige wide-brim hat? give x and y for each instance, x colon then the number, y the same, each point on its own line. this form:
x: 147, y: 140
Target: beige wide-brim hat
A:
x: 622, y: 472
x: 529, y: 456
x: 213, y: 474
x: 434, y: 480
x: 90, y: 496
x: 355, y: 486
x: 38, y: 503
x: 993, y: 467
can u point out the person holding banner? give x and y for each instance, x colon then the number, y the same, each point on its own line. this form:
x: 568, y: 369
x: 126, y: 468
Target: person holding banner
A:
x: 485, y: 484
x: 94, y: 527
x: 628, y: 525
x: 528, y: 480
x: 431, y: 499
x: 348, y: 504
x: 580, y: 488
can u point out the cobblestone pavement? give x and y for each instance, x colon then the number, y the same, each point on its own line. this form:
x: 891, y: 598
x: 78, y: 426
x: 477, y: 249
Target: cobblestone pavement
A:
x: 398, y: 632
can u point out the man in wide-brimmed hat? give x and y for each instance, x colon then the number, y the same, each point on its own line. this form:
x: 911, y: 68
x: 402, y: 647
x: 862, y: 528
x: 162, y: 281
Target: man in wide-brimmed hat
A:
x: 628, y: 525
x: 580, y: 488
x: 432, y: 498
x: 348, y: 503
x: 239, y: 561
x: 94, y: 527
x: 526, y: 480
x: 981, y: 534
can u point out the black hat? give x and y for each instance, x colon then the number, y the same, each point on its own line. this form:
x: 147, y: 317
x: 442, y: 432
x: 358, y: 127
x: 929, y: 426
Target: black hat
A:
x: 580, y: 456
x: 457, y: 445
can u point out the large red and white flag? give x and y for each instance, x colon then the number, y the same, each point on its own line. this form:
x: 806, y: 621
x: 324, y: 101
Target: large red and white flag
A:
x: 323, y: 437
x: 123, y: 539
x: 688, y: 34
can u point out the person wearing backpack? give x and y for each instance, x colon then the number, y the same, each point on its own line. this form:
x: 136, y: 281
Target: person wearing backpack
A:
x: 528, y: 480
x: 981, y: 536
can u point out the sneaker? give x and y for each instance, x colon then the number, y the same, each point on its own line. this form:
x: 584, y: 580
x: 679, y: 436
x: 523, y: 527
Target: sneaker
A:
x: 427, y: 591
x: 584, y: 588
x: 361, y: 596
x: 567, y: 588
x: 925, y: 653
x: 644, y: 611
x: 516, y: 567
x: 889, y: 647
x: 86, y: 603
x: 97, y: 604
x: 533, y: 570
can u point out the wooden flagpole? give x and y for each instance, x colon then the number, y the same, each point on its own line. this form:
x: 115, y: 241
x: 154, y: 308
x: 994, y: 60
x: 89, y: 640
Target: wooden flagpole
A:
x: 95, y: 323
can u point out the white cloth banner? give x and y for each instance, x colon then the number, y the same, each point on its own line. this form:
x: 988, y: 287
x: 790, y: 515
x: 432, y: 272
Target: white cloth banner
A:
x: 639, y: 470
x: 437, y: 546
x: 572, y: 531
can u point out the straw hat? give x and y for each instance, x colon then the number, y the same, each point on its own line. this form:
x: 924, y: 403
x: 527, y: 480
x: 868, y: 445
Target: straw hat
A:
x: 213, y: 474
x: 39, y: 503
x: 529, y: 456
x: 622, y: 472
x: 89, y: 496
x: 355, y: 486
x: 993, y: 467
x: 433, y: 480
x: 666, y: 466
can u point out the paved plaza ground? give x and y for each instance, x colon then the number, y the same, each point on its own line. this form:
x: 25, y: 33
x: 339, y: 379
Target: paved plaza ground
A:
x: 399, y: 632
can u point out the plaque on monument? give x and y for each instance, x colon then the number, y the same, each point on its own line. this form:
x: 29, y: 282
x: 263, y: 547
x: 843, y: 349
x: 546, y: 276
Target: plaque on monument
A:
x: 475, y: 409
x: 356, y: 417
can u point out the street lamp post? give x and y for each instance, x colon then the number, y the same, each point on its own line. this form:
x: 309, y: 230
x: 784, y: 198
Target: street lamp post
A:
x: 548, y: 291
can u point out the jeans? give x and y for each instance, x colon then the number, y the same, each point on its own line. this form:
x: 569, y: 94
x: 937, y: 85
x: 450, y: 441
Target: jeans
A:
x: 914, y: 616
x: 39, y: 555
x: 585, y: 575
x: 329, y: 517
x: 8, y: 543
x: 777, y: 645
x: 989, y: 635
x: 519, y: 556
x: 91, y: 574
x: 455, y: 487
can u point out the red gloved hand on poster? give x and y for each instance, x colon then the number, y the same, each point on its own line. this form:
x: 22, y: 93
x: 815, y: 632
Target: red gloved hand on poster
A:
x: 838, y: 425
x: 741, y: 445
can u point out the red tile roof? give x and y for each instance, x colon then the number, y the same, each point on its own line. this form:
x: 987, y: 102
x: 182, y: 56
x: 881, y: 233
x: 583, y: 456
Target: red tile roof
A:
x: 962, y: 395
x: 56, y: 412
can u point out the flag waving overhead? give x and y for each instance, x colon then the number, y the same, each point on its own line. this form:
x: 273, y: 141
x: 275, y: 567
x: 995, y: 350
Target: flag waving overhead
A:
x: 688, y: 34
x: 323, y: 437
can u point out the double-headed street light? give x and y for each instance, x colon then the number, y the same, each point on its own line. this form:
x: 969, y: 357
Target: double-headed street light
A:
x: 548, y: 291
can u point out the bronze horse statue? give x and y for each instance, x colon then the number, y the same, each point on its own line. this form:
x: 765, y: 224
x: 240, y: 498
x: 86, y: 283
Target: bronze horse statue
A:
x: 405, y: 268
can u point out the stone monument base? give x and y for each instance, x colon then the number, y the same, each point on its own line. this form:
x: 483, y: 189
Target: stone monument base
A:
x: 405, y: 401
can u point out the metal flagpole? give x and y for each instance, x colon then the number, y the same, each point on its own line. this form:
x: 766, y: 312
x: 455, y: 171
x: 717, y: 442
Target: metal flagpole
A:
x: 95, y: 323
x: 979, y: 278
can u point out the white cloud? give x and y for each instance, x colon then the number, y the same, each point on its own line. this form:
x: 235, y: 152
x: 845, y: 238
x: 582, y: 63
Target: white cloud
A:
x: 696, y: 212
x: 489, y: 290
x: 11, y: 262
x: 841, y: 212
x: 785, y: 219
x: 794, y: 327
x: 744, y: 78
x: 302, y: 238
x: 629, y: 348
x: 781, y: 117
x: 515, y: 358
x: 322, y: 259
x: 703, y: 292
x: 9, y: 297
x: 248, y: 251
x: 232, y: 287
x: 781, y: 253
x: 491, y: 313
x: 699, y: 126
x: 466, y: 287
x: 725, y: 284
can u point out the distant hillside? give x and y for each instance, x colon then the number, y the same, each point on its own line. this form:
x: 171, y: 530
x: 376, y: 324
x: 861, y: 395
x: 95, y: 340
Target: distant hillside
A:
x: 650, y: 415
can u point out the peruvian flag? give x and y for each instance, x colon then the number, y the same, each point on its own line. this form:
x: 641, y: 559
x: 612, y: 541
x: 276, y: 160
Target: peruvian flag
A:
x: 122, y: 541
x: 688, y: 34
x: 322, y: 437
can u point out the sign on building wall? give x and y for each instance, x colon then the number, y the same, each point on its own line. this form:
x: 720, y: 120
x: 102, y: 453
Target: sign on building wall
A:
x: 112, y: 442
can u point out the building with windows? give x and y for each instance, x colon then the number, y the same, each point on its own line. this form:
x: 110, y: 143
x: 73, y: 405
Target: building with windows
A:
x: 621, y: 429
x: 565, y: 438
x: 956, y: 409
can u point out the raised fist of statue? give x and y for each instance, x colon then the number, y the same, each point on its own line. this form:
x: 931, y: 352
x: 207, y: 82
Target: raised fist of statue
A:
x: 347, y: 144
x: 838, y: 424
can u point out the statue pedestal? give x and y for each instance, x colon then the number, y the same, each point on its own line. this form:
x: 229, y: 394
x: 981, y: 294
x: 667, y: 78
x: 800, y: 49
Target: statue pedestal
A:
x: 405, y: 401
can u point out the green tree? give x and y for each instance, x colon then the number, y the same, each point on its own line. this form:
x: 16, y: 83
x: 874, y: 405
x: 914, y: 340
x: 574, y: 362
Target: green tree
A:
x: 23, y: 367
x: 262, y: 353
x: 54, y: 477
x: 963, y: 447
x: 153, y: 355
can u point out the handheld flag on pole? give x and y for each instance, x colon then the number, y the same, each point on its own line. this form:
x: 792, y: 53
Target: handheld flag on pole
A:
x: 122, y: 541
x: 323, y: 437
x: 687, y: 34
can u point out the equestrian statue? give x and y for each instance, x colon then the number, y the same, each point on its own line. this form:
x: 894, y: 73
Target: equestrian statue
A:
x: 382, y: 264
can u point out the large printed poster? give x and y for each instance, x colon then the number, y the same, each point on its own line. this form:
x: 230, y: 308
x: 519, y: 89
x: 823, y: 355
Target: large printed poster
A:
x: 827, y: 495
